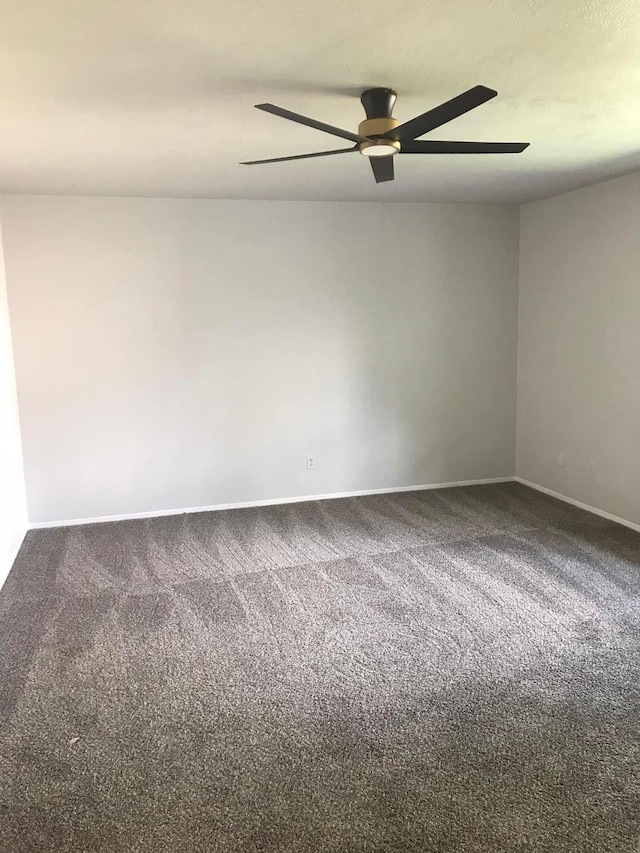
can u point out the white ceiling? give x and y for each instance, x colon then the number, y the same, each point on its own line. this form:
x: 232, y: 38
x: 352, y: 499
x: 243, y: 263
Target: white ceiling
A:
x: 155, y: 97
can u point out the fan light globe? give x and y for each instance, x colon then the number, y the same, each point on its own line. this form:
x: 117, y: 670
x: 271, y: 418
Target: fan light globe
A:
x: 380, y: 149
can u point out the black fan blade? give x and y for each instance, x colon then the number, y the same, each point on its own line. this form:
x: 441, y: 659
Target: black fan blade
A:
x: 382, y: 168
x: 442, y: 114
x: 299, y: 156
x: 428, y: 146
x: 318, y: 125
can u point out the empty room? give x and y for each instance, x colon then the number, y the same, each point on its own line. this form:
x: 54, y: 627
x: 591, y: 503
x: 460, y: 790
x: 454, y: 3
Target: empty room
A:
x: 319, y: 463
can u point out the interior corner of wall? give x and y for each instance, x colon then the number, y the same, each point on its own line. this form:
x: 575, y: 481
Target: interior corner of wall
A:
x: 21, y: 498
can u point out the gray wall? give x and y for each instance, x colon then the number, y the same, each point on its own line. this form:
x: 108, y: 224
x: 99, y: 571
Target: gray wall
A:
x: 173, y: 354
x: 579, y: 351
x: 13, y: 514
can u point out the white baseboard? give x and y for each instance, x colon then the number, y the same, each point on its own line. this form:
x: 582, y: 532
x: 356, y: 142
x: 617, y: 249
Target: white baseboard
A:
x: 601, y: 512
x: 271, y: 502
x: 4, y: 570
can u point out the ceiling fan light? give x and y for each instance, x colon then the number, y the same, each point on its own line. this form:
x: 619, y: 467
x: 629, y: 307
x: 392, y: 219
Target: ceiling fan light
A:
x: 379, y: 147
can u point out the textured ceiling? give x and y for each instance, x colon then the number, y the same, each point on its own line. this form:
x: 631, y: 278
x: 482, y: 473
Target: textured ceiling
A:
x: 155, y: 98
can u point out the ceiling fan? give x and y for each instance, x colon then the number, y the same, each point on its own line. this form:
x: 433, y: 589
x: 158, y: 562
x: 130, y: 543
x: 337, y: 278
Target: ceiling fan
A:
x: 380, y: 136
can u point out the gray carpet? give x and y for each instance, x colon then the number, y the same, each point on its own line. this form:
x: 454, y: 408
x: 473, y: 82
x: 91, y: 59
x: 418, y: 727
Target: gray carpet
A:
x: 454, y: 672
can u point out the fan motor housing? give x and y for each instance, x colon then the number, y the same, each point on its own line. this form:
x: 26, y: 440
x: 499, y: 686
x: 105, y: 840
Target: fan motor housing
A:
x: 376, y: 127
x: 378, y: 104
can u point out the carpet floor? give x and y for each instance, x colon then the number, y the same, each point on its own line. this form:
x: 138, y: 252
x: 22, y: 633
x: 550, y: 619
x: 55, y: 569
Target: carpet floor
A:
x: 452, y: 671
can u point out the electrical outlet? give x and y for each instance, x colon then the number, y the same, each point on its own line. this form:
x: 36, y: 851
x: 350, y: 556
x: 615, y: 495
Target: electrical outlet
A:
x: 592, y: 468
x: 311, y: 462
x: 560, y: 459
